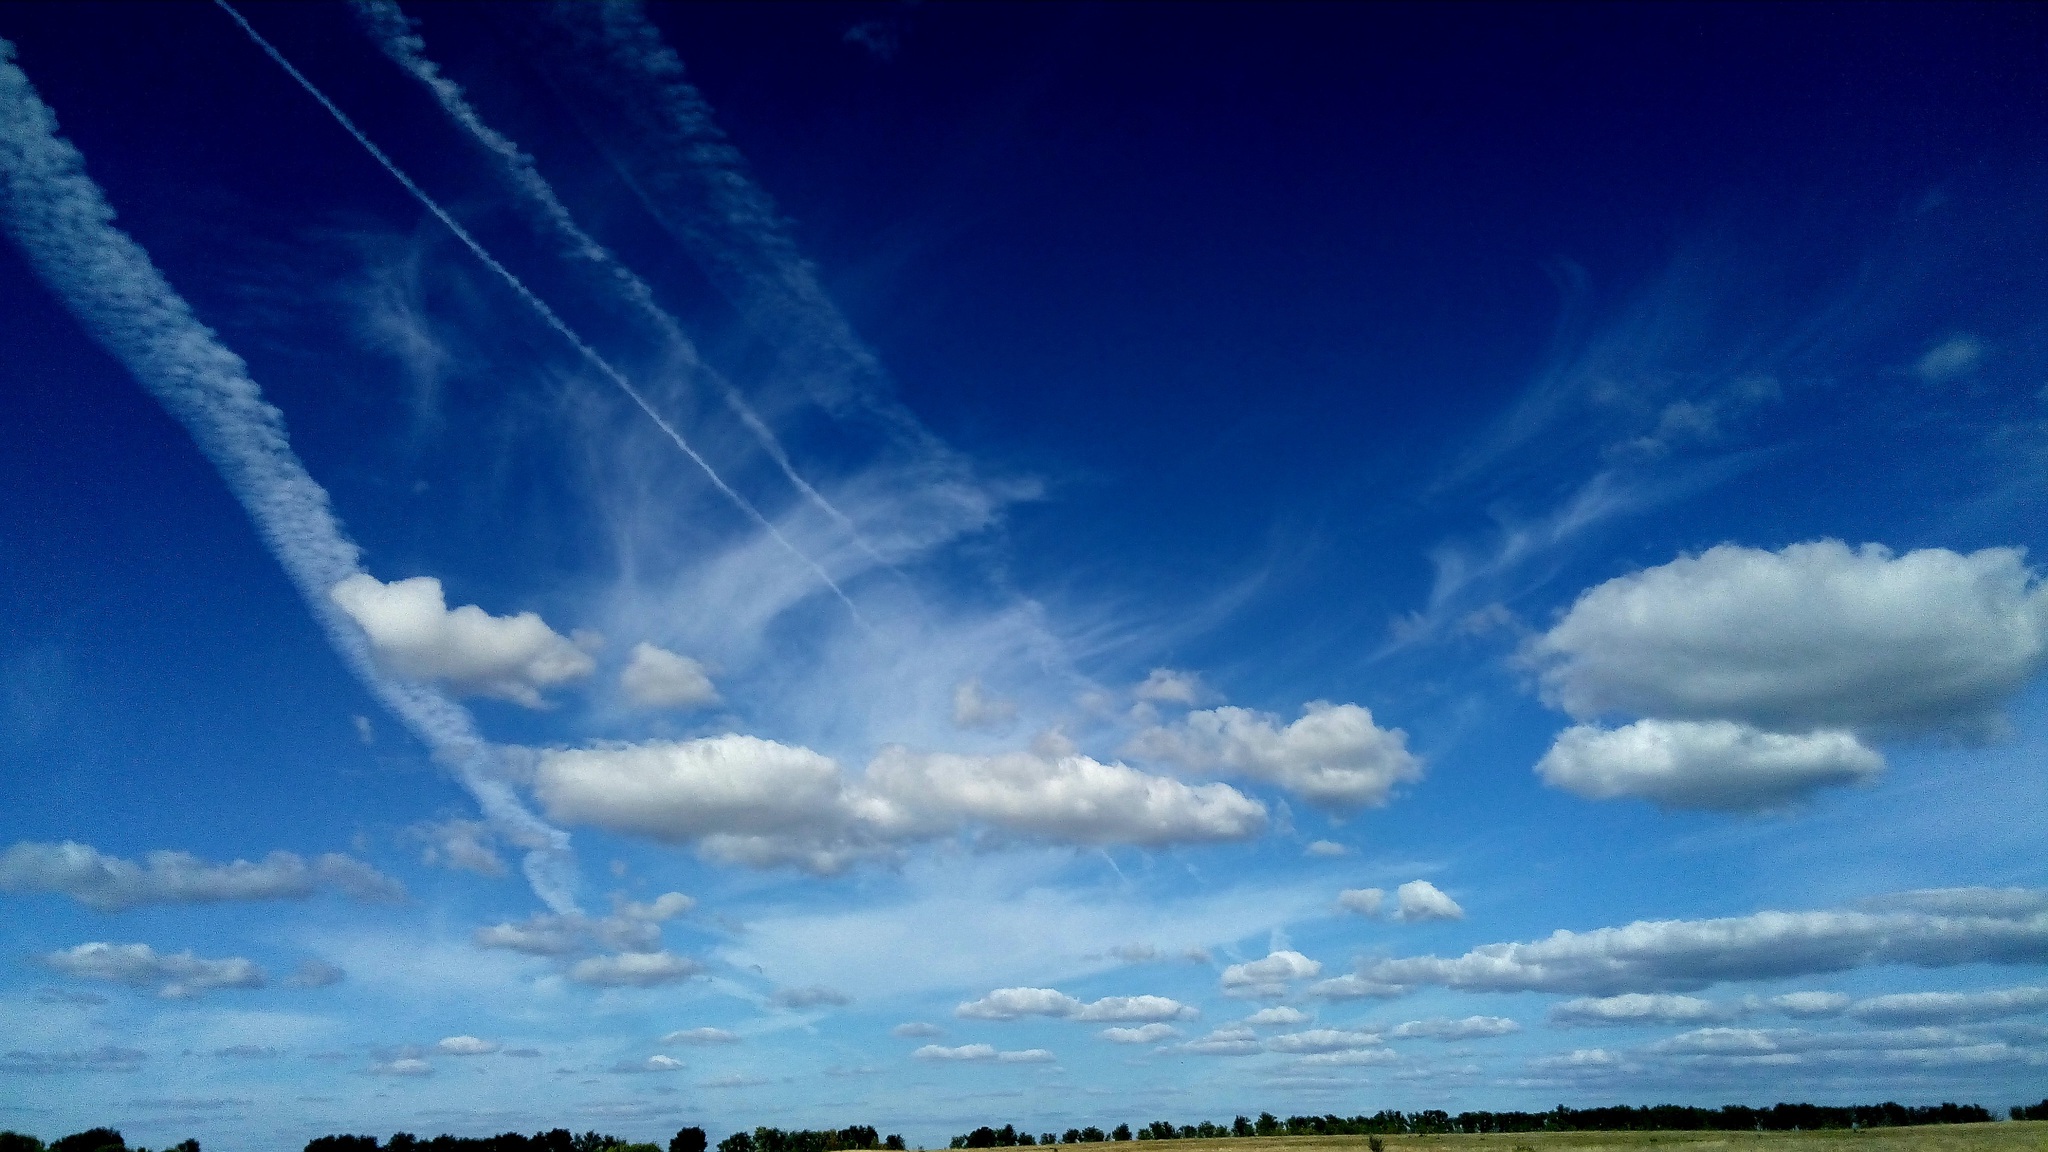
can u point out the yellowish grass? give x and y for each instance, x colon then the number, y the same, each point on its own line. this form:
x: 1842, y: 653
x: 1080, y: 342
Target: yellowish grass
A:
x: 2004, y: 1136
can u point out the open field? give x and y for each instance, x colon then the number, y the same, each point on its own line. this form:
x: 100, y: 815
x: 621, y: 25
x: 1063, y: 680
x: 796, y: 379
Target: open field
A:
x: 2004, y: 1136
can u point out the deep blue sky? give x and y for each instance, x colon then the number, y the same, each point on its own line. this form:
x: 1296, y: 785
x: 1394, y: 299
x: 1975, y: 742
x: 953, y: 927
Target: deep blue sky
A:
x: 1581, y: 464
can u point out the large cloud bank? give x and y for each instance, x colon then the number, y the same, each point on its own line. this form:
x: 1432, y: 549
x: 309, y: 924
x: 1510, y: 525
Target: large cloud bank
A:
x: 1760, y: 676
x: 747, y: 800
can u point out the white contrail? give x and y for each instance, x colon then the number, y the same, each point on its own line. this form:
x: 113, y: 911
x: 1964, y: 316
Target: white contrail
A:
x: 63, y: 224
x: 743, y: 241
x: 538, y: 305
x: 395, y: 33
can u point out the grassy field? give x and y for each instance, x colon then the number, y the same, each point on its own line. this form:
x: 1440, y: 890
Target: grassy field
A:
x: 2008, y: 1136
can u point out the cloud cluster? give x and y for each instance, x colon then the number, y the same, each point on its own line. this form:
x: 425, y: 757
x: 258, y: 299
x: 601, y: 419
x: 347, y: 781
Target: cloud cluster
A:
x: 461, y: 844
x: 1270, y: 976
x: 1760, y: 676
x: 1443, y: 1028
x: 632, y: 927
x: 1414, y: 901
x: 1334, y: 756
x: 747, y: 800
x: 634, y: 969
x: 113, y: 884
x: 413, y: 633
x: 1015, y: 1003
x: 175, y: 976
x: 1682, y: 955
x: 1313, y: 1046
x: 1945, y: 1008
x: 701, y: 1036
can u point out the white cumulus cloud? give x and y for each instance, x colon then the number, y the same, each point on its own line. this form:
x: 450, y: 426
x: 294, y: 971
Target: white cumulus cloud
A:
x: 113, y: 884
x: 413, y: 633
x: 982, y: 1052
x: 1269, y: 976
x: 1814, y: 636
x: 1170, y: 686
x: 1420, y: 900
x: 1444, y: 1028
x: 1334, y: 757
x: 465, y: 1046
x: 634, y: 969
x: 1013, y: 1003
x: 1637, y: 1008
x: 1143, y: 1034
x: 175, y: 976
x: 656, y: 678
x: 1323, y: 1040
x: 1682, y: 955
x: 701, y: 1036
x: 1277, y: 1016
x: 1711, y: 764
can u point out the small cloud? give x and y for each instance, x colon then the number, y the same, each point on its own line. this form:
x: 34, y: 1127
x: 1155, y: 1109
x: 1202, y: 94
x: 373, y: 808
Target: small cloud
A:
x: 1277, y: 1016
x: 657, y: 678
x: 178, y: 976
x: 916, y: 1030
x: 248, y: 1052
x: 634, y: 969
x: 523, y: 1053
x: 1470, y: 1028
x: 364, y: 731
x: 413, y: 633
x: 315, y: 974
x: 67, y: 996
x: 1326, y: 849
x: 973, y: 709
x: 1146, y: 1034
x: 736, y: 1080
x: 1951, y: 358
x: 465, y: 1046
x: 661, y: 909
x: 701, y: 1036
x: 651, y: 1064
x: 1421, y: 900
x: 1168, y: 686
x: 1270, y: 976
x: 459, y: 844
x: 403, y: 1066
x: 814, y: 996
x: 1364, y: 901
x: 1354, y: 987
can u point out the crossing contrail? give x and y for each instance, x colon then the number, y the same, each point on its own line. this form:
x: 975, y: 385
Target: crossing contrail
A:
x: 540, y: 307
x: 395, y: 34
x: 63, y: 224
x: 738, y: 236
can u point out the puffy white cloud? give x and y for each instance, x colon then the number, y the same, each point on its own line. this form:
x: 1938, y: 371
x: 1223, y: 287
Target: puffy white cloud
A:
x: 1144, y: 1034
x: 1325, y: 849
x: 465, y: 1046
x: 113, y: 884
x: 634, y: 969
x: 1323, y: 1040
x: 1780, y: 1048
x: 701, y: 1036
x: 1443, y: 1028
x: 1073, y: 799
x: 754, y: 801
x: 916, y: 1030
x: 460, y: 844
x: 1269, y: 976
x: 1951, y: 1007
x: 811, y: 996
x: 1681, y: 955
x: 658, y: 678
x: 655, y: 1063
x: 1364, y: 901
x: 1637, y: 1008
x: 1711, y: 764
x: 1169, y: 686
x: 177, y: 976
x: 981, y: 1052
x: 1814, y: 636
x: 1349, y: 1058
x: 1224, y: 1042
x: 1577, y: 1060
x: 973, y: 709
x: 413, y: 633
x: 664, y: 907
x: 1334, y: 757
x: 1013, y: 1003
x: 1352, y: 986
x: 1277, y: 1016
x: 1951, y: 358
x: 631, y: 928
x: 402, y: 1066
x: 1421, y: 900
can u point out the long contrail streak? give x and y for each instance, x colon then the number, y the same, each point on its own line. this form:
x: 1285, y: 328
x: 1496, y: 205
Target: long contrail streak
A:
x: 395, y: 35
x: 63, y: 224
x: 539, y: 306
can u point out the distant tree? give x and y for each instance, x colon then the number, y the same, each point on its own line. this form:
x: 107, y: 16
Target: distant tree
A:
x: 342, y: 1144
x: 737, y: 1142
x: 21, y: 1142
x: 1242, y: 1126
x: 894, y: 1142
x: 1071, y: 1136
x: 1267, y: 1125
x: 687, y: 1140
x: 1091, y: 1135
x: 90, y: 1140
x: 1123, y: 1132
x: 186, y: 1145
x: 2031, y: 1111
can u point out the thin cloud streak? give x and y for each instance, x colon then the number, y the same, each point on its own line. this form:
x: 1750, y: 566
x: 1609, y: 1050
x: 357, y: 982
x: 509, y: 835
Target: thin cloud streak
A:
x: 62, y: 222
x: 541, y: 307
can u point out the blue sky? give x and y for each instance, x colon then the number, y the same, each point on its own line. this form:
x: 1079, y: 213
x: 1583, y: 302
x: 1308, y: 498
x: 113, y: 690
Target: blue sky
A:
x: 930, y: 566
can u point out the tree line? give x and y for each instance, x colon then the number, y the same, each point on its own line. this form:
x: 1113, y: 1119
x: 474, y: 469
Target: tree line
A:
x: 1435, y: 1121
x: 90, y: 1140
